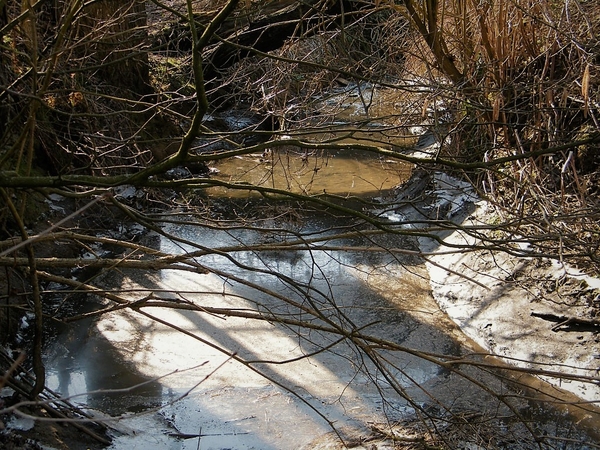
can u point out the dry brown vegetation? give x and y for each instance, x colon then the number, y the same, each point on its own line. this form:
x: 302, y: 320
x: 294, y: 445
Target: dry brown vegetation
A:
x: 527, y: 73
x: 516, y: 92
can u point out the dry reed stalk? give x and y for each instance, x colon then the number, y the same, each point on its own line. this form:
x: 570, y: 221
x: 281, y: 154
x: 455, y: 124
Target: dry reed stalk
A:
x: 527, y: 83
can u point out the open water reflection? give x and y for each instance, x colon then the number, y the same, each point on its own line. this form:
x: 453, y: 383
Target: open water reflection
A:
x: 343, y: 173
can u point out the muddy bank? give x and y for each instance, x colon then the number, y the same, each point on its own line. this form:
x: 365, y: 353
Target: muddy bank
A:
x: 535, y: 314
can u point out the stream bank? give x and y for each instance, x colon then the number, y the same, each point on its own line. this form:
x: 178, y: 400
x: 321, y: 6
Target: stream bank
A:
x: 534, y: 314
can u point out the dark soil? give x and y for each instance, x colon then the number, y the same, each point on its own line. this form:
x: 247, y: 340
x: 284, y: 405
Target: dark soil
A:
x: 59, y: 436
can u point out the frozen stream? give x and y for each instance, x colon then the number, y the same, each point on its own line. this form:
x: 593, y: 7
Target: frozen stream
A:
x: 240, y: 408
x: 168, y: 377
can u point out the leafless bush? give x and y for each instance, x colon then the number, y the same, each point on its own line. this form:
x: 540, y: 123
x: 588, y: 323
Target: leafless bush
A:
x: 519, y: 78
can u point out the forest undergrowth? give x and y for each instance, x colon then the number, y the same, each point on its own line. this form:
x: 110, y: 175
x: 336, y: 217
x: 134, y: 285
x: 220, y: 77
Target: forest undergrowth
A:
x: 102, y: 98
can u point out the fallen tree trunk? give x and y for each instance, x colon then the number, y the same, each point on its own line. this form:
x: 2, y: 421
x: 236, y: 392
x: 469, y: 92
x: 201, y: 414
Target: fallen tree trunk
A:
x: 566, y: 323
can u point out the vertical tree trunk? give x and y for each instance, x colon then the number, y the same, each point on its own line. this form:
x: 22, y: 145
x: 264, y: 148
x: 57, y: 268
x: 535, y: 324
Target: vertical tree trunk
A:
x: 117, y: 36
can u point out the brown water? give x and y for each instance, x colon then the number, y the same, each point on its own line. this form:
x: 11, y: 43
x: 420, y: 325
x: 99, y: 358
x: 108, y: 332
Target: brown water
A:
x: 343, y: 173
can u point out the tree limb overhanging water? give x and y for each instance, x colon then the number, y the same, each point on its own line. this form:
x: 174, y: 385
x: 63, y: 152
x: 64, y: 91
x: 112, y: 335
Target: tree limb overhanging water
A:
x: 236, y: 175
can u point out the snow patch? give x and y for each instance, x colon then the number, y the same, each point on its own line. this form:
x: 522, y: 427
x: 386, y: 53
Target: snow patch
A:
x: 491, y: 295
x: 20, y: 423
